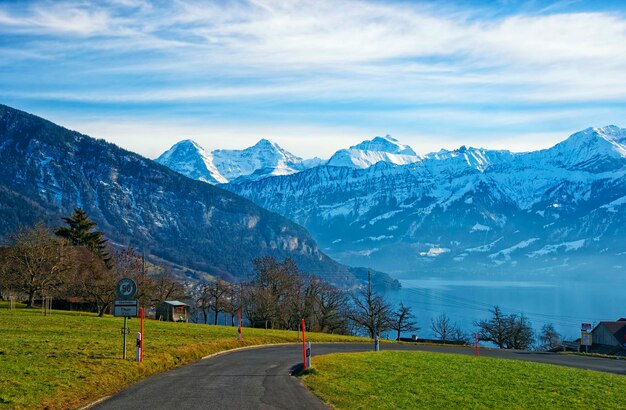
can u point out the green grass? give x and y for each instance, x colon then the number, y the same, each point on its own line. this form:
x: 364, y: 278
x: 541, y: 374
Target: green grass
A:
x: 68, y: 359
x: 409, y: 380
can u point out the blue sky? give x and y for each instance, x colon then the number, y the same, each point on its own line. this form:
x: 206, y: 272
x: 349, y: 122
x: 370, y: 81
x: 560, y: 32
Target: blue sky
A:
x: 316, y: 76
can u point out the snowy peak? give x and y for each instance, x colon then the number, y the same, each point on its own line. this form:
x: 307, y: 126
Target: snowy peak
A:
x: 592, y: 149
x: 477, y: 158
x: 187, y: 157
x: 368, y: 153
x: 386, y: 144
x: 263, y: 159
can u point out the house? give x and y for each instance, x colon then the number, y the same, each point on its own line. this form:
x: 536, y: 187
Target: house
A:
x: 609, y: 336
x: 173, y: 311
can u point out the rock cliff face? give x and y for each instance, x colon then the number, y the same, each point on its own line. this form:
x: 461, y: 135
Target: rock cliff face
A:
x: 559, y: 209
x: 48, y: 170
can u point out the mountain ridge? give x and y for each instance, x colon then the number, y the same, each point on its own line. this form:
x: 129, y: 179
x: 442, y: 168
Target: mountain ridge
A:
x: 467, y: 209
x: 49, y: 170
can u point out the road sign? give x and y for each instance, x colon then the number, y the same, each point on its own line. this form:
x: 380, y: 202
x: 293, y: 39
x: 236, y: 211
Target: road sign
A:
x: 126, y: 308
x: 126, y: 289
x: 585, y: 327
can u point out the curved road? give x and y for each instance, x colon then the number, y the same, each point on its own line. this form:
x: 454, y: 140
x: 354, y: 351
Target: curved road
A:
x: 259, y: 378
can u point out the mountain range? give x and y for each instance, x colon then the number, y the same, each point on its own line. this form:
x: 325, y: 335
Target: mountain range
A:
x: 48, y: 170
x: 476, y: 210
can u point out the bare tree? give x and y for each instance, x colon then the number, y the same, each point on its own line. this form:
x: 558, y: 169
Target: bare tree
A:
x: 442, y: 327
x: 549, y: 337
x: 217, y: 290
x: 97, y: 281
x: 330, y: 312
x: 370, y: 311
x: 233, y: 301
x: 402, y: 320
x: 506, y: 331
x: 93, y: 280
x: 165, y: 287
x: 272, y: 296
x: 203, y: 301
x: 36, y: 262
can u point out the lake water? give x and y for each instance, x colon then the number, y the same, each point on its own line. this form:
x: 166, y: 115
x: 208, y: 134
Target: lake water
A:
x: 564, y: 303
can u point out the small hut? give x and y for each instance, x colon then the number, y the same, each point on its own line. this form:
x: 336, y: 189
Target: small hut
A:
x: 173, y: 311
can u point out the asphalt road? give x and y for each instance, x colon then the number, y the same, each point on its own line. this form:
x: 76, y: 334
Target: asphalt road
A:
x: 260, y: 378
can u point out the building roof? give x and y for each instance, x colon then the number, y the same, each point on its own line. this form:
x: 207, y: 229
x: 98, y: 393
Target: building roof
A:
x: 613, y: 327
x: 175, y: 303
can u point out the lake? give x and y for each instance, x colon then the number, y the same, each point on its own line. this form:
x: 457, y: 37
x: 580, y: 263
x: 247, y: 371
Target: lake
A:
x: 564, y: 303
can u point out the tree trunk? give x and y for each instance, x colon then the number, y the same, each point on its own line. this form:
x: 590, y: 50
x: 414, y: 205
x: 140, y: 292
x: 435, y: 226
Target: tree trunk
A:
x: 217, y: 312
x: 103, y: 309
x: 31, y: 298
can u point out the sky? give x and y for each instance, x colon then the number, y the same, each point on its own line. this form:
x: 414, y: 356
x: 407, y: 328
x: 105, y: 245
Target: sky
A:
x: 316, y: 76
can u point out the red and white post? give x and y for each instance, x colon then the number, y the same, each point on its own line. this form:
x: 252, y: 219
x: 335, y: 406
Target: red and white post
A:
x: 139, y: 348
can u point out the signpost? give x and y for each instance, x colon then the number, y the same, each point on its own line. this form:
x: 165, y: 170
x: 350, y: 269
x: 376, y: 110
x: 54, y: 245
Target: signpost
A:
x: 585, y: 336
x: 126, y: 306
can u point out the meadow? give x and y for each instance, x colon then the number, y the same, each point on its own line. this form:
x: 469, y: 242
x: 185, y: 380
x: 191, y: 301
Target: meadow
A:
x: 69, y: 359
x: 414, y: 380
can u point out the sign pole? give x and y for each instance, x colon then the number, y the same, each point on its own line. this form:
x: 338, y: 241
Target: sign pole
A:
x: 124, y: 331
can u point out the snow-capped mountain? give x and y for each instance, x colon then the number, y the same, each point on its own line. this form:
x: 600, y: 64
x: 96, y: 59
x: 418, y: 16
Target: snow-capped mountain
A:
x: 558, y: 209
x: 267, y: 158
x: 263, y: 159
x: 47, y: 171
x: 368, y: 153
x: 190, y: 159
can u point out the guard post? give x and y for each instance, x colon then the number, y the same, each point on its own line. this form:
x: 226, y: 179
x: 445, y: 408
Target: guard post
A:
x: 138, y: 348
x: 308, y: 355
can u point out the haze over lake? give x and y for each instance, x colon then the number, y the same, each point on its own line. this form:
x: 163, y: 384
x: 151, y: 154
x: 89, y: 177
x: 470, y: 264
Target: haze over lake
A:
x: 564, y: 303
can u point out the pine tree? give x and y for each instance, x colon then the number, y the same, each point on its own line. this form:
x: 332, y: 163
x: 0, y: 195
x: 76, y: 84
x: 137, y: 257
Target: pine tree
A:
x: 79, y: 233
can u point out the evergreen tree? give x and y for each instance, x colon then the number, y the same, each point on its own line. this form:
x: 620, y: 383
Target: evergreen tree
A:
x: 79, y: 233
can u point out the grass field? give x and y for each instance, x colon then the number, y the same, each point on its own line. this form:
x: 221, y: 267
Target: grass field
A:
x: 67, y: 359
x: 409, y: 380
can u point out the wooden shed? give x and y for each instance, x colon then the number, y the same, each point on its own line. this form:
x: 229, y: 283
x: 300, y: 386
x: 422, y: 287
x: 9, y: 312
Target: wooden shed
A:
x: 611, y: 334
x: 173, y: 311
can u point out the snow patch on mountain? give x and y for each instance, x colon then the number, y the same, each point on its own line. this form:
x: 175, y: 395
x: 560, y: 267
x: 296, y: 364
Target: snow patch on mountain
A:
x: 506, y: 253
x: 565, y: 247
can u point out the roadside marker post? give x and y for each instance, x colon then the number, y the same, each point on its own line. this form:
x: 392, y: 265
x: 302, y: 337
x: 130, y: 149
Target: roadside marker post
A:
x: 377, y: 343
x: 304, y: 358
x: 308, y: 355
x: 141, y: 318
x: 138, y: 348
x: 239, y: 327
x: 476, y: 343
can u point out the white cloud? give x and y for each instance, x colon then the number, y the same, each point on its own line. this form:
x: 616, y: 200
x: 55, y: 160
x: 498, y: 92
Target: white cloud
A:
x: 385, y: 60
